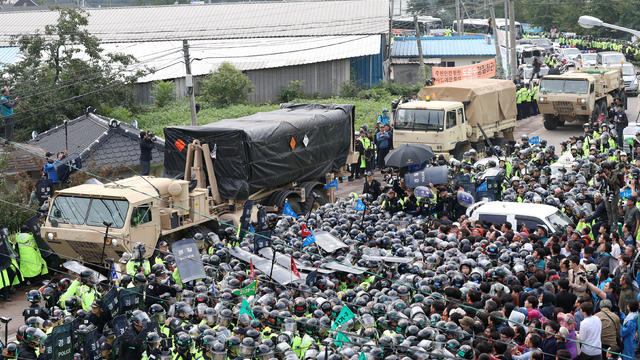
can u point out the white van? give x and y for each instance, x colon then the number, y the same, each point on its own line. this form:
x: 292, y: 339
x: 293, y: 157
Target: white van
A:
x: 531, y: 215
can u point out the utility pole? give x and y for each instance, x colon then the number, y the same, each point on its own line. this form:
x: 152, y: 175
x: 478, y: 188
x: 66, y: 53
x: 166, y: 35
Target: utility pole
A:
x: 495, y: 36
x: 459, y: 29
x: 512, y: 38
x: 189, y: 83
x: 421, y: 73
x: 506, y: 38
x: 391, y: 10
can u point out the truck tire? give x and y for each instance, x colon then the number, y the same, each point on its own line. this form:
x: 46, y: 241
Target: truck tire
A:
x: 279, y: 197
x: 597, y: 110
x: 460, y: 149
x: 550, y: 122
x: 312, y: 203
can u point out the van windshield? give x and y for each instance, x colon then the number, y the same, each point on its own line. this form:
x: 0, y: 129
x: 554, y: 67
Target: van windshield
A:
x: 419, y: 119
x: 76, y: 210
x: 559, y: 221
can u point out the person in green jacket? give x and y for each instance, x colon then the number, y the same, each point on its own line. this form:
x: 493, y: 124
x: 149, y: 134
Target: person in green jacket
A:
x: 84, y: 288
x: 137, y: 263
x: 32, y: 265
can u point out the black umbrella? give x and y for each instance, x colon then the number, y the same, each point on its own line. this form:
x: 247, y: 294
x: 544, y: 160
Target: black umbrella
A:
x: 409, y: 154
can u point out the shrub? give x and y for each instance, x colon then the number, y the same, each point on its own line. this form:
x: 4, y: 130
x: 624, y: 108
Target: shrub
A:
x: 374, y: 94
x: 292, y: 91
x: 163, y: 93
x: 401, y: 90
x: 349, y: 89
x: 226, y: 86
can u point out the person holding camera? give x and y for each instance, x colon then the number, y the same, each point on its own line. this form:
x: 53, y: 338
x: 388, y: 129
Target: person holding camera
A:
x: 611, y: 177
x: 146, y: 145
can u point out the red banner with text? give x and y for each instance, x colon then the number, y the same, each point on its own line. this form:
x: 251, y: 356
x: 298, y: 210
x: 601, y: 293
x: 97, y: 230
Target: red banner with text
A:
x: 482, y: 70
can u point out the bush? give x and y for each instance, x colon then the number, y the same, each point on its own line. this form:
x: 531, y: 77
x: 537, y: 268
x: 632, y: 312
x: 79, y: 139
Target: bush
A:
x: 118, y: 113
x: 401, y: 90
x: 349, y: 89
x: 163, y: 93
x: 374, y: 94
x: 292, y: 91
x: 226, y: 86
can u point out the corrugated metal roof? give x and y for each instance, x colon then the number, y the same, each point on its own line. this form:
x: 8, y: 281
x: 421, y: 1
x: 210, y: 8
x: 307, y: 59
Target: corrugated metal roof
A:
x: 247, y: 54
x: 216, y: 21
x: 443, y: 47
x: 8, y: 54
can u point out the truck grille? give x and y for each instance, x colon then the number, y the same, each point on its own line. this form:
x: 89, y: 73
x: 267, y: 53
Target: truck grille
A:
x: 563, y: 107
x: 89, y: 251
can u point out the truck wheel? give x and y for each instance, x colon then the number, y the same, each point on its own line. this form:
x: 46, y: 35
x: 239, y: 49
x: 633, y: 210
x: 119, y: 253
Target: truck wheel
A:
x: 459, y: 150
x: 549, y: 121
x: 321, y: 198
x: 597, y: 110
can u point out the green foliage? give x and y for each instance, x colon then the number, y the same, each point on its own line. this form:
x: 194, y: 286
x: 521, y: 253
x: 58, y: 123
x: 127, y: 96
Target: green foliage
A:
x: 377, y: 94
x: 13, y: 216
x: 226, y: 86
x: 349, y: 89
x: 64, y: 70
x: 163, y: 93
x: 177, y: 113
x: 292, y: 91
x: 400, y: 89
x: 119, y: 113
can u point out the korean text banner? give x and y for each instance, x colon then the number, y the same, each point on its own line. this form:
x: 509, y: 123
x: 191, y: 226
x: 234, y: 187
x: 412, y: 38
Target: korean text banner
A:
x: 482, y: 70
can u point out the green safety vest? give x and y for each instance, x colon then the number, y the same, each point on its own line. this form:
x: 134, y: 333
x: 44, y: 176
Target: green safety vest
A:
x: 131, y: 267
x: 87, y: 294
x: 31, y: 261
x: 300, y: 345
x: 366, y: 145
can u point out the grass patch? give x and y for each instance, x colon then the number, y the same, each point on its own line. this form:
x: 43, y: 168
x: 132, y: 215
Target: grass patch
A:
x: 155, y: 119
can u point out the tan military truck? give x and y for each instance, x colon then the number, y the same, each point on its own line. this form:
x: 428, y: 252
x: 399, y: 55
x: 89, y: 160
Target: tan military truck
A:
x: 271, y: 158
x: 581, y: 95
x: 453, y: 117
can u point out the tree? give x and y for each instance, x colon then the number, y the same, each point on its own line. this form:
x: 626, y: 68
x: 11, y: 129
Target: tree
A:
x: 226, y: 86
x: 63, y: 71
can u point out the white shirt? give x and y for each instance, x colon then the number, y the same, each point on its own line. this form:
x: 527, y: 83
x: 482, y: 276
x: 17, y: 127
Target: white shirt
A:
x: 590, y: 332
x: 615, y: 255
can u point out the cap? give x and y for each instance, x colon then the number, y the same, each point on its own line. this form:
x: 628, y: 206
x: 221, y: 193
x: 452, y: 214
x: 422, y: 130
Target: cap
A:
x: 606, y: 303
x: 456, y: 224
x: 528, y: 247
x: 97, y: 303
x: 384, y: 109
x: 563, y: 332
x: 592, y: 268
x: 533, y: 314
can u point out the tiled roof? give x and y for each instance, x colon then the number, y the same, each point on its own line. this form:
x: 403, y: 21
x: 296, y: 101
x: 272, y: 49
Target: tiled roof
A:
x: 100, y: 141
x: 443, y: 46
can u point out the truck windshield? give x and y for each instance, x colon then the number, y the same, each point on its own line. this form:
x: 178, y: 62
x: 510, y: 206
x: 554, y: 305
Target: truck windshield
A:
x: 77, y: 210
x: 564, y: 86
x: 419, y: 119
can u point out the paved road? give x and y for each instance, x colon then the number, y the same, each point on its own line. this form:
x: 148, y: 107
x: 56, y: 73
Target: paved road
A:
x: 533, y: 126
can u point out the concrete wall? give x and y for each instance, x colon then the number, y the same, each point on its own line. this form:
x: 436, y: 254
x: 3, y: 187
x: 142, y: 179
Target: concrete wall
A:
x: 324, y: 78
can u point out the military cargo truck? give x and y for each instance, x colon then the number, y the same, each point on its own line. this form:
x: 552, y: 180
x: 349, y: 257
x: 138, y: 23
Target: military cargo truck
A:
x: 271, y: 158
x: 453, y: 117
x: 581, y: 95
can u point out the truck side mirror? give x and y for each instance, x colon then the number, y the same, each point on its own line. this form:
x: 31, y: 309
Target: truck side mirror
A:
x: 591, y: 88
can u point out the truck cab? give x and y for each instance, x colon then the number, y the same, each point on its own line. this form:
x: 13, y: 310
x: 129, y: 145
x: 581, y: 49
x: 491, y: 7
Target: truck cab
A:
x: 439, y: 124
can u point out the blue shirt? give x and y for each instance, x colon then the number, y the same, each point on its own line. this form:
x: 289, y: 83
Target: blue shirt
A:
x: 383, y: 119
x: 50, y: 169
x: 7, y: 106
x: 383, y: 140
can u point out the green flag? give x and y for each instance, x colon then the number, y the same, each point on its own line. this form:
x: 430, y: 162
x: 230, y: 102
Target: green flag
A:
x: 245, y: 308
x: 345, y: 315
x: 362, y: 356
x: 249, y: 290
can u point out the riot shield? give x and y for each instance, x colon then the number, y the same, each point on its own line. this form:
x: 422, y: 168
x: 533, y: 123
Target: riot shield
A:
x: 281, y: 274
x: 59, y: 344
x: 328, y: 242
x: 188, y: 260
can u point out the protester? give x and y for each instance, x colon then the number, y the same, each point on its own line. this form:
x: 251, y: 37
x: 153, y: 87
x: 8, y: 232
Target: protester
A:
x: 146, y: 146
x: 6, y: 107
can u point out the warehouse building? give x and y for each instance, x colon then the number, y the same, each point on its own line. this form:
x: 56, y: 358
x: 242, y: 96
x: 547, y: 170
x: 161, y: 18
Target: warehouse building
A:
x: 445, y: 51
x: 320, y: 43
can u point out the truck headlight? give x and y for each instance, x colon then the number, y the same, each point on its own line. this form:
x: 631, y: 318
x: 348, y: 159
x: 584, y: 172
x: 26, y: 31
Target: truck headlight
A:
x: 51, y: 236
x: 114, y: 242
x: 582, y: 101
x: 544, y: 99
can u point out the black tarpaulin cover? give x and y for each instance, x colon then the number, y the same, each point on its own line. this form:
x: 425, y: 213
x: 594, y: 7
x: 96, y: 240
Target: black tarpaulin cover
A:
x: 298, y: 142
